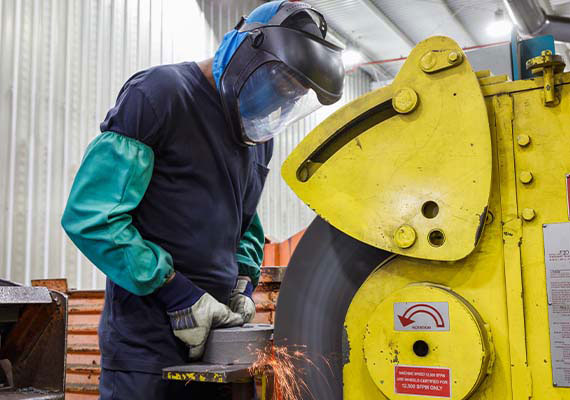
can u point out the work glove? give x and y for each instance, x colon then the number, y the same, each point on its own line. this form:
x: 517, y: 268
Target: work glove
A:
x: 193, y: 312
x: 241, y: 300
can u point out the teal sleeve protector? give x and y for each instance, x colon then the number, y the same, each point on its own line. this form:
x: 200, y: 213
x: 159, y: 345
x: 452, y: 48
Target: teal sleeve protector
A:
x: 111, y: 181
x: 250, y: 251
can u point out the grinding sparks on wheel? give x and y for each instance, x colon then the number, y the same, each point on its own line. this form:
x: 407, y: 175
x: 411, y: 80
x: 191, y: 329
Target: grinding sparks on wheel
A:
x: 164, y: 202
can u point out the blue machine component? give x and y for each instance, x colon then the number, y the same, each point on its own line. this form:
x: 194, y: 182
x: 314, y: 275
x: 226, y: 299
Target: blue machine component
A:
x: 524, y: 50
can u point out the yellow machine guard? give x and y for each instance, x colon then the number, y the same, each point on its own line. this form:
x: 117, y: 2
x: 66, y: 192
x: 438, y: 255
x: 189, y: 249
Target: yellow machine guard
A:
x: 406, y: 168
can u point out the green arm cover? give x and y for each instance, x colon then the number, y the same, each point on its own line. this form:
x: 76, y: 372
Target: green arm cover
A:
x: 111, y: 181
x: 250, y: 251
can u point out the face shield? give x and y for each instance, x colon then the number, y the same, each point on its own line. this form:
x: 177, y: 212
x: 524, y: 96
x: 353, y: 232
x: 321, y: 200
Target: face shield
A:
x: 281, y: 72
x: 271, y: 99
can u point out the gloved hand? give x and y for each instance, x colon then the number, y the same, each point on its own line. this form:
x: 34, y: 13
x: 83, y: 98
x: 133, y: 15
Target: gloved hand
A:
x: 241, y: 300
x: 193, y: 312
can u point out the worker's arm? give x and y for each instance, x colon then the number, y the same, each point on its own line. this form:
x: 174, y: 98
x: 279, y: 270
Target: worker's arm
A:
x: 111, y: 181
x: 249, y: 257
x: 250, y: 251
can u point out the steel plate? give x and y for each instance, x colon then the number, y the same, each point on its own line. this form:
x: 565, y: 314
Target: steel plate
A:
x: 323, y: 275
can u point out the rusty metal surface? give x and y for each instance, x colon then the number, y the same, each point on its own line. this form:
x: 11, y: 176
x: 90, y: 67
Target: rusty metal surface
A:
x: 238, y: 345
x: 59, y: 285
x: 36, y: 345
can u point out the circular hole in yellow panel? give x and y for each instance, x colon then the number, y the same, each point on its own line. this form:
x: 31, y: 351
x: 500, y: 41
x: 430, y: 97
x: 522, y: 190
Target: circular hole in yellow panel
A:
x: 430, y: 209
x: 436, y: 238
x: 421, y: 348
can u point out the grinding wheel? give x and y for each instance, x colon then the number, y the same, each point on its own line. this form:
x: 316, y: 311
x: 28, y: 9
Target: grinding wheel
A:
x: 326, y: 270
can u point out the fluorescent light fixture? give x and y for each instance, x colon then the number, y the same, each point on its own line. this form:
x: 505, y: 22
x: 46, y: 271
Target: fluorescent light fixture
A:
x: 351, y: 57
x: 501, y: 26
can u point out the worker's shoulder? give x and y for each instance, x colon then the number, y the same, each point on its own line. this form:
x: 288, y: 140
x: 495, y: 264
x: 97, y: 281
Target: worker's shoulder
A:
x: 164, y: 80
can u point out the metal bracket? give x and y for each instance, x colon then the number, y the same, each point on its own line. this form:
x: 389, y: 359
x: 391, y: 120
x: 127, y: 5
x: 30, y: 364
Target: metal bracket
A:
x: 437, y: 60
x: 547, y: 65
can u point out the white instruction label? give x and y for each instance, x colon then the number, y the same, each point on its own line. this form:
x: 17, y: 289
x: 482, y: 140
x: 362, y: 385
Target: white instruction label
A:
x: 421, y: 316
x: 557, y: 261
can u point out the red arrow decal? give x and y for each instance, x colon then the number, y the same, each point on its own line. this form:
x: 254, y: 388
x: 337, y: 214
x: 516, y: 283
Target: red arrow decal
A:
x: 405, y: 321
x: 406, y: 318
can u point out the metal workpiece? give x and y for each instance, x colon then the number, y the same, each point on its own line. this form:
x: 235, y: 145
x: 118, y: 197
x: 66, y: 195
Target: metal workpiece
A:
x: 238, y: 345
x: 230, y: 354
x: 24, y: 295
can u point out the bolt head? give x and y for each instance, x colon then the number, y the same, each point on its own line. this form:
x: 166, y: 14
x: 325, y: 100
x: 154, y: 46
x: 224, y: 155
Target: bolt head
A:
x: 405, y: 236
x: 427, y: 61
x: 523, y: 140
x: 405, y: 100
x: 528, y: 214
x: 453, y: 56
x: 526, y: 177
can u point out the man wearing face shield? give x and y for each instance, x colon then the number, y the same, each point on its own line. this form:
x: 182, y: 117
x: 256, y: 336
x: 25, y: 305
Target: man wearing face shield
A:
x: 164, y: 202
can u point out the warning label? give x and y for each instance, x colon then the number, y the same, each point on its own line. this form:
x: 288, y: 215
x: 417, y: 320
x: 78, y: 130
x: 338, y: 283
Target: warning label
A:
x: 428, y: 316
x: 557, y: 262
x: 422, y: 381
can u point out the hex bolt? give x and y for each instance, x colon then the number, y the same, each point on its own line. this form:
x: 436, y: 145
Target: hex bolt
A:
x: 528, y: 214
x: 405, y: 100
x: 526, y: 177
x: 405, y: 236
x: 523, y: 140
x: 453, y: 57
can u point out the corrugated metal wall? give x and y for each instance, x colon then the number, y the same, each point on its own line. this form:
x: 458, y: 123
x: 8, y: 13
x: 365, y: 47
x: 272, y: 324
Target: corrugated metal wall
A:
x: 281, y: 212
x: 62, y: 64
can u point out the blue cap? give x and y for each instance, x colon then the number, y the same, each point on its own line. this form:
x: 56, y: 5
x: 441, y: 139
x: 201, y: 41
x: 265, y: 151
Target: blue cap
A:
x: 233, y: 39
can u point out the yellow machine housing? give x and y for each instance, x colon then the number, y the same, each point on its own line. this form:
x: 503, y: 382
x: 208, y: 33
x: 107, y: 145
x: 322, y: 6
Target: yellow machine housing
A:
x: 456, y: 173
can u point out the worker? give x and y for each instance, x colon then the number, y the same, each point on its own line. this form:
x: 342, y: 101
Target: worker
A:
x: 164, y: 201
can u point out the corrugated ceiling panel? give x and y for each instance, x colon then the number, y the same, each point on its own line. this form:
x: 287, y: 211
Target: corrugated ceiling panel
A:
x: 63, y: 63
x: 476, y: 16
x: 420, y: 19
x: 354, y: 19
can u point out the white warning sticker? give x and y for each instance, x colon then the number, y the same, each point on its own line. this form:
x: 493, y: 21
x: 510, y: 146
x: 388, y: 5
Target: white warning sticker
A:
x: 421, y: 316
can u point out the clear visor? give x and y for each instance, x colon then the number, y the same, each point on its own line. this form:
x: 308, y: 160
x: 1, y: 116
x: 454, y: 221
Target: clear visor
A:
x: 271, y: 99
